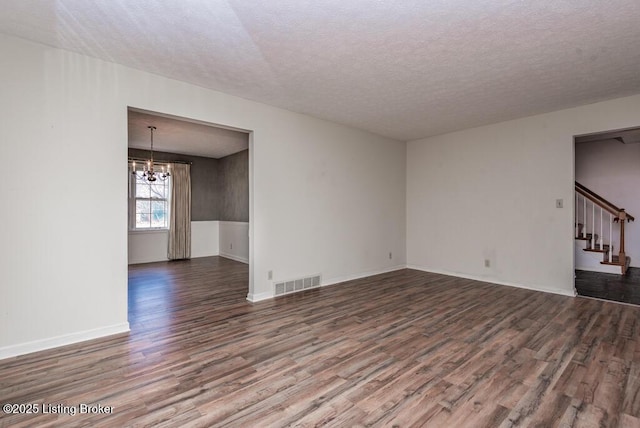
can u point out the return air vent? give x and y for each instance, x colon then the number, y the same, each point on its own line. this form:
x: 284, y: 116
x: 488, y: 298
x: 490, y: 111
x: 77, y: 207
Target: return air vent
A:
x: 293, y: 285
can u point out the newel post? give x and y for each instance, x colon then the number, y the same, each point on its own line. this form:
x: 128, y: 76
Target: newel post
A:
x: 622, y: 257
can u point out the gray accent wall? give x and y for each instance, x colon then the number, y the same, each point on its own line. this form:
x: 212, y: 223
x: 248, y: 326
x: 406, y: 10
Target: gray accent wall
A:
x: 234, y: 187
x: 219, y: 187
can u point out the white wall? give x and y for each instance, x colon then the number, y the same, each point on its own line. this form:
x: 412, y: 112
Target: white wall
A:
x: 205, y: 238
x: 63, y: 258
x: 229, y: 239
x: 234, y: 240
x: 147, y: 246
x: 489, y: 193
x: 612, y: 170
x: 326, y: 198
x: 151, y: 246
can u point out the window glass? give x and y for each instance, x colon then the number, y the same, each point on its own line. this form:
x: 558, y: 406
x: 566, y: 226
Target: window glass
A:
x: 149, y: 202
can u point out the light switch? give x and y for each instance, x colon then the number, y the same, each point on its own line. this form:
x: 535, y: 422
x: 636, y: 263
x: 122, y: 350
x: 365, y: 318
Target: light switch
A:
x: 559, y: 203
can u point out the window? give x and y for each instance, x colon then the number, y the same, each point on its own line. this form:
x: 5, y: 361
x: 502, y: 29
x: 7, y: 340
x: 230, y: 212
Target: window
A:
x: 148, y: 203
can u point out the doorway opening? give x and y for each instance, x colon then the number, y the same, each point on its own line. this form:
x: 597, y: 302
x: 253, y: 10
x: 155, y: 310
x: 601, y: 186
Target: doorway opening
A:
x: 220, y: 194
x: 606, y: 203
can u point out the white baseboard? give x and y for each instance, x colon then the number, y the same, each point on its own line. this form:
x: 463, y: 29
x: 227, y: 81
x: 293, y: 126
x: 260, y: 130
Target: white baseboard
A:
x: 264, y: 296
x: 492, y: 281
x: 612, y: 269
x: 340, y: 279
x: 65, y: 339
x: 258, y: 297
x: 234, y: 257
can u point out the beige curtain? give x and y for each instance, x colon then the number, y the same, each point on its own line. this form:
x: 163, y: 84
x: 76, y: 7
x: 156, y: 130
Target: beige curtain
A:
x: 180, y: 213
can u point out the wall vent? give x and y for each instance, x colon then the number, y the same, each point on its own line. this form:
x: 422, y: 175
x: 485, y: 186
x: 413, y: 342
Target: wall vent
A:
x: 294, y: 285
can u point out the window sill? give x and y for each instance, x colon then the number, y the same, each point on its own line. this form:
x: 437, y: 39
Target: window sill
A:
x: 145, y: 231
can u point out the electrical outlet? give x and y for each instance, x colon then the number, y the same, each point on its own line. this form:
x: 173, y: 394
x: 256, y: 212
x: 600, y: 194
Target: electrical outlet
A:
x: 559, y: 203
x: 270, y: 275
x: 231, y: 246
x: 390, y: 255
x: 487, y: 263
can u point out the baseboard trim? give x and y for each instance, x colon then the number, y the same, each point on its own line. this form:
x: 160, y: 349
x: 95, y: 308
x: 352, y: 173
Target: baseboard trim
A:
x: 264, y: 296
x: 62, y: 340
x: 612, y: 269
x: 492, y: 281
x: 234, y: 257
x: 345, y: 278
x: 253, y: 298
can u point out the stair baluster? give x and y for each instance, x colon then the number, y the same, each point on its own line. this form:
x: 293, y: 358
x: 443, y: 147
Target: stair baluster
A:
x: 600, y: 237
x: 610, y: 237
x: 584, y: 212
x: 576, y: 210
x: 593, y: 225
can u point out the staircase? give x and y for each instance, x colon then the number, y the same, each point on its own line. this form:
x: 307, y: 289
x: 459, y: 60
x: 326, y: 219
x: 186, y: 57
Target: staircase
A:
x: 599, y: 231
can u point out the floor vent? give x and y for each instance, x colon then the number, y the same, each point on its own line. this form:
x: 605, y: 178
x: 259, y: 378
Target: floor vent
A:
x: 294, y: 285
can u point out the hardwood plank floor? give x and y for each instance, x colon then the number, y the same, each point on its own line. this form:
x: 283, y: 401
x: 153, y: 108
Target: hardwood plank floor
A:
x: 406, y: 348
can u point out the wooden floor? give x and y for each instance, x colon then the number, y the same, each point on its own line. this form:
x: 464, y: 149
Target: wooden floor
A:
x: 620, y: 288
x: 402, y: 349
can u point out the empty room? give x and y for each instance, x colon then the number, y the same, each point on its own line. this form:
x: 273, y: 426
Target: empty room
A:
x: 318, y: 213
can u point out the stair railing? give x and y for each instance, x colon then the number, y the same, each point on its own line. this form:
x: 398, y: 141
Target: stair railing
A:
x: 591, y: 202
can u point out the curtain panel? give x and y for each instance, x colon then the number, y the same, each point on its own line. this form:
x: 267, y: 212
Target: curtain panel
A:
x: 180, y: 213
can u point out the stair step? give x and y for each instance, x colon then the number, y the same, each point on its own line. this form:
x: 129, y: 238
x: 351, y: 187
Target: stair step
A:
x: 596, y: 247
x: 586, y: 235
x: 605, y: 249
x: 615, y: 260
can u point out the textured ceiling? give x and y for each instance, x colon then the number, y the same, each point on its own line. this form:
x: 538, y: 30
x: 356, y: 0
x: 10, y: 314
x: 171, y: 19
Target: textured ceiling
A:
x: 188, y: 137
x: 405, y: 69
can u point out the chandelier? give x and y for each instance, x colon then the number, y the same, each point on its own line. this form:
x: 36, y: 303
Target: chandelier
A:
x: 148, y: 173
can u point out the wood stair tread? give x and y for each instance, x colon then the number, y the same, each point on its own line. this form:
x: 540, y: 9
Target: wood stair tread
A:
x: 615, y: 261
x: 612, y: 263
x: 605, y: 249
x: 586, y: 236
